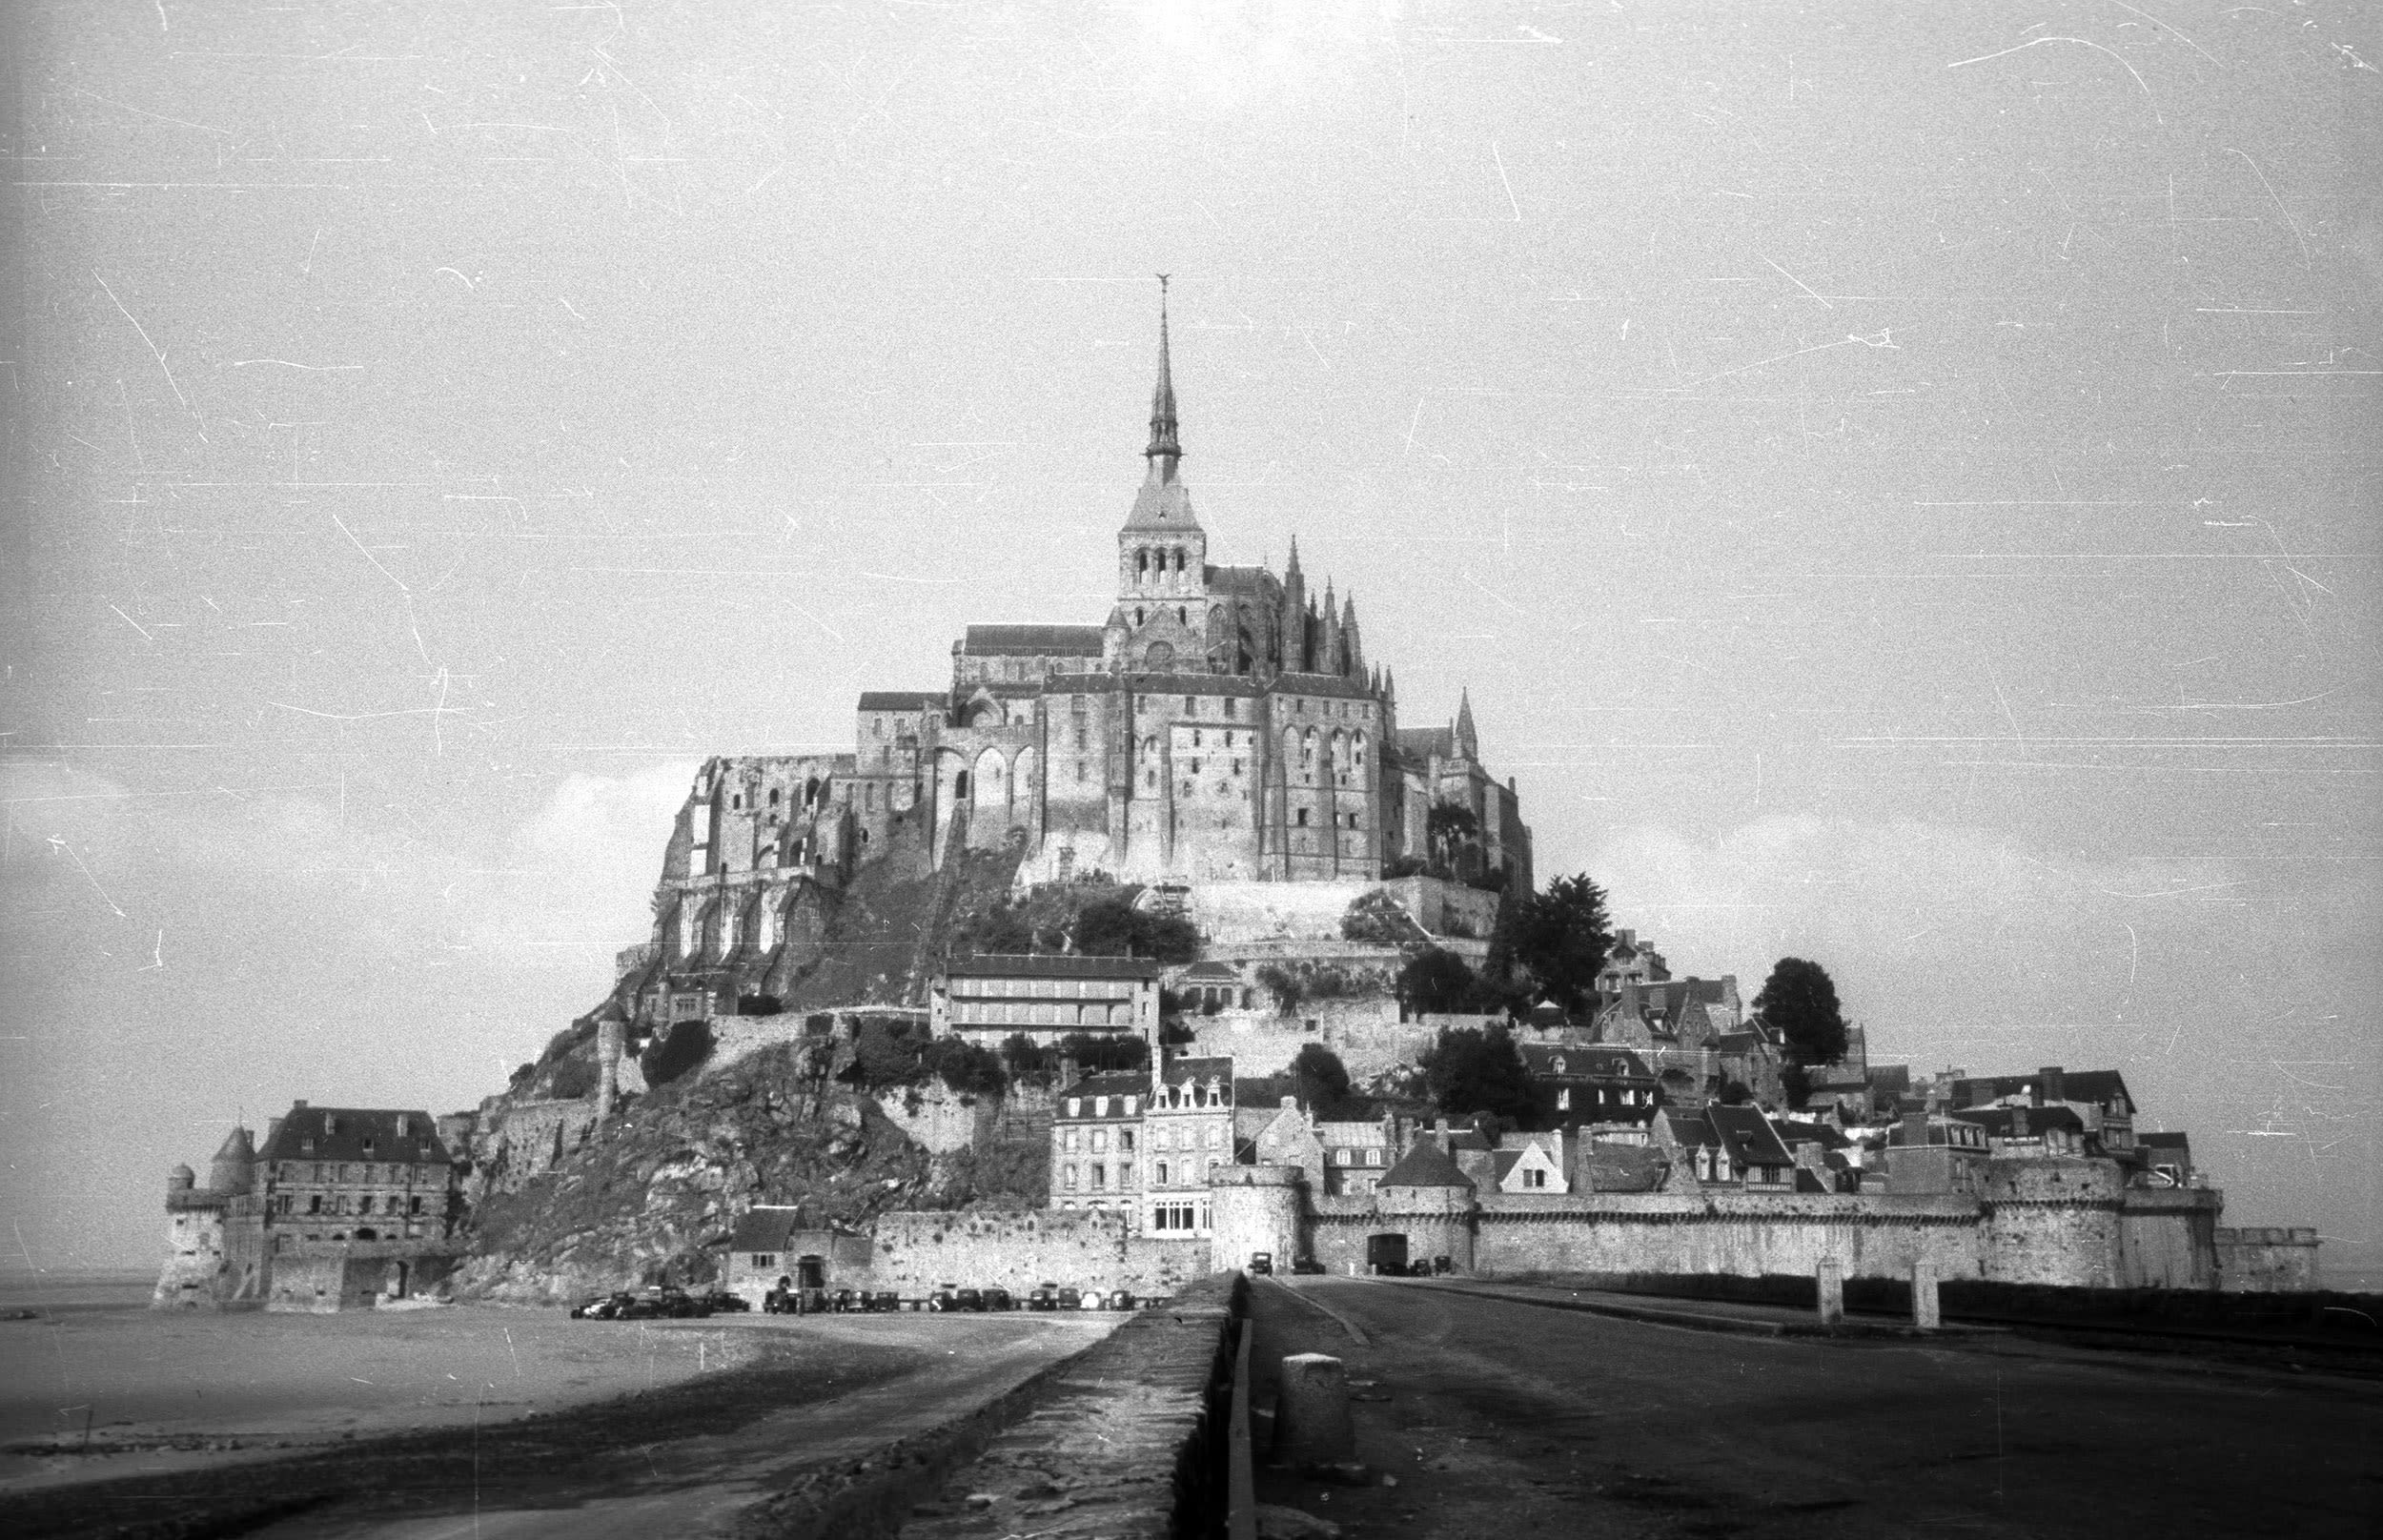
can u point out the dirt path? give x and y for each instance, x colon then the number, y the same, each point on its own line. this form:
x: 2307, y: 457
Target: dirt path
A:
x: 681, y: 1459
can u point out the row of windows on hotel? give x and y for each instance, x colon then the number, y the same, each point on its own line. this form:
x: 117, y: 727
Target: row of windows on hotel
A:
x: 294, y: 1171
x: 1193, y: 1172
x: 1211, y: 1095
x: 1162, y: 1137
x: 991, y: 1013
x: 1606, y: 1098
x: 316, y: 1204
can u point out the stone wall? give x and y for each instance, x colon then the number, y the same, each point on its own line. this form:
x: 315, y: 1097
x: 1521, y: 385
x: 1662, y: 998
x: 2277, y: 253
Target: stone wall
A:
x: 215, y: 1254
x: 2266, y: 1259
x: 510, y: 1143
x: 1018, y: 1249
x: 2053, y: 1222
x: 1228, y: 913
x: 1746, y: 1235
x: 324, y: 1278
x: 939, y: 1118
x: 2168, y: 1238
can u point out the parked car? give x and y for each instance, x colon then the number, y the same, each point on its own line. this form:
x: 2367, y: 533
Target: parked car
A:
x: 944, y: 1297
x: 720, y: 1299
x: 601, y: 1308
x: 1261, y: 1263
x: 968, y: 1299
x: 1306, y: 1265
x: 1043, y: 1297
x: 1120, y: 1299
x: 998, y: 1299
x: 1067, y: 1298
x: 884, y: 1299
x: 1419, y: 1267
x: 845, y: 1301
x: 637, y: 1307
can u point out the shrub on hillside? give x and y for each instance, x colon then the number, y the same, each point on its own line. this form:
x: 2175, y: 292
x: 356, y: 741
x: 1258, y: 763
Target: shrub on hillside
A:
x: 1113, y: 927
x: 966, y: 1067
x: 676, y: 1050
x: 886, y: 1051
x: 1096, y: 1052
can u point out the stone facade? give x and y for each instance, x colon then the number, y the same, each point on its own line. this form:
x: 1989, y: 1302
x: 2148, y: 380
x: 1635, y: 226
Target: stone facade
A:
x: 342, y: 1206
x: 1221, y: 726
x: 2266, y: 1259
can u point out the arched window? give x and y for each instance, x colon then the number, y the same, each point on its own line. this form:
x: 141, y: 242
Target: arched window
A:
x: 1307, y: 753
x: 1137, y: 617
x: 773, y: 797
x: 1357, y: 744
x: 1179, y: 559
x: 1142, y: 561
x: 1183, y: 616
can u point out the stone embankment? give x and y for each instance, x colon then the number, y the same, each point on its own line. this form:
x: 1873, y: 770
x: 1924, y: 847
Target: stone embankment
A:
x: 1123, y: 1443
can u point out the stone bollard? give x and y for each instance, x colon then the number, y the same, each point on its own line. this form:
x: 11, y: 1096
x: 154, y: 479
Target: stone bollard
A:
x: 1830, y: 1276
x: 1926, y: 1314
x: 1312, y: 1417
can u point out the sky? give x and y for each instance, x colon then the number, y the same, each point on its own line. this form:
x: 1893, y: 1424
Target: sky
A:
x: 1899, y: 485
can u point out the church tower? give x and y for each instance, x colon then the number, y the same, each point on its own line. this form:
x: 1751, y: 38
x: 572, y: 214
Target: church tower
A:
x: 1162, y: 552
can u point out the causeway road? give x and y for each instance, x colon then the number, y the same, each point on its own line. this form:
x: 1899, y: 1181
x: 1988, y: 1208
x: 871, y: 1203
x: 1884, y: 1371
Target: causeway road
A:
x: 1498, y: 1417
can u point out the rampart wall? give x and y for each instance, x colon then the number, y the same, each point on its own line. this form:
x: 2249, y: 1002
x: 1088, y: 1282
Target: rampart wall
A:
x: 2257, y: 1260
x: 1018, y: 1249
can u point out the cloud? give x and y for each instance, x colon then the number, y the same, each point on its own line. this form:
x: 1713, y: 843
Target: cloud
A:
x: 577, y: 878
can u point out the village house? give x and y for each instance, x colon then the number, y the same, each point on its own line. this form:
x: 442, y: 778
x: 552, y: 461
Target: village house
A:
x: 1725, y: 1146
x: 1929, y: 1154
x: 776, y: 1247
x: 1191, y: 1130
x: 1530, y: 1163
x: 1582, y: 1083
x: 1097, y: 1130
x: 2099, y: 1098
x: 2023, y: 1131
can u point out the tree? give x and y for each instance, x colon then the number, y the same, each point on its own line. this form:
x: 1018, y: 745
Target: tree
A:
x: 1470, y: 1070
x: 1000, y: 930
x: 1376, y: 919
x: 676, y: 1050
x: 1094, y: 1051
x: 1283, y: 985
x: 1561, y: 935
x: 1436, y: 980
x: 1026, y: 1058
x: 1113, y: 927
x: 884, y: 1053
x: 966, y: 1067
x: 1800, y: 1001
x: 1320, y: 1080
x: 1448, y: 827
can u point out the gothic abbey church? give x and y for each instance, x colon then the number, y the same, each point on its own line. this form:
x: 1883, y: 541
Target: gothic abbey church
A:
x: 1221, y: 726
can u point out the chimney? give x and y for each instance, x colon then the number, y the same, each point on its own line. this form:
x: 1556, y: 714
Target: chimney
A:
x: 2051, y: 1081
x: 299, y: 1102
x: 2018, y: 1122
x: 1440, y: 1131
x: 1068, y: 1071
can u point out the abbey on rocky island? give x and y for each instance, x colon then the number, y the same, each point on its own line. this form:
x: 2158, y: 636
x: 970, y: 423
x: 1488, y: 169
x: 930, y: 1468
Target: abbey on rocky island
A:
x: 1219, y: 726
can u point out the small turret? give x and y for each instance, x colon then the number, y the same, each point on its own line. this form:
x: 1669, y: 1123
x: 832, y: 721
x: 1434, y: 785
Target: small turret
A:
x: 182, y: 1179
x: 1355, y: 653
x: 233, y: 1168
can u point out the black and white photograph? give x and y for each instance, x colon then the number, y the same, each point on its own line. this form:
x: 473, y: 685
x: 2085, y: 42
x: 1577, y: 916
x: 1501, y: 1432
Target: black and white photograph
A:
x: 1229, y: 769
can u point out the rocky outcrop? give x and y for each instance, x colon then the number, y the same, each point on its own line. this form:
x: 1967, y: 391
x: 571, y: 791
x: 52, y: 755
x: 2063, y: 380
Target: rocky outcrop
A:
x: 655, y: 1194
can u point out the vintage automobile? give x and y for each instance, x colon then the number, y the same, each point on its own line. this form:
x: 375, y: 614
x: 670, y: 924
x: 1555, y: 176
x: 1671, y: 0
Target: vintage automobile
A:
x: 600, y: 1307
x: 1067, y: 1298
x: 1120, y: 1299
x: 884, y: 1299
x: 1043, y: 1297
x: 1261, y: 1263
x: 843, y: 1301
x: 943, y: 1297
x: 1306, y: 1265
x: 998, y: 1299
x: 720, y: 1299
x: 677, y: 1304
x: 968, y: 1299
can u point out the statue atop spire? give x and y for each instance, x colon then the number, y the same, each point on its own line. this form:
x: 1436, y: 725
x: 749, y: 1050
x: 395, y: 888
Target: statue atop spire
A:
x: 1165, y: 448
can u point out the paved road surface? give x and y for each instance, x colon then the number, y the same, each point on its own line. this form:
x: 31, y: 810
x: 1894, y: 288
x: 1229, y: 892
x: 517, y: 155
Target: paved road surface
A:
x: 1514, y: 1420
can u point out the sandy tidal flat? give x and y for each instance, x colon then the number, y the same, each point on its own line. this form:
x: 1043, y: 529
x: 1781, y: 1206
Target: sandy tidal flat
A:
x: 163, y: 1391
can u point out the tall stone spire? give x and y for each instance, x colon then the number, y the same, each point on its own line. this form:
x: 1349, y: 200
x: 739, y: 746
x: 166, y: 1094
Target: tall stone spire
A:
x: 1468, y: 741
x: 1354, y: 653
x: 1332, y: 661
x: 1165, y: 447
x: 1294, y: 604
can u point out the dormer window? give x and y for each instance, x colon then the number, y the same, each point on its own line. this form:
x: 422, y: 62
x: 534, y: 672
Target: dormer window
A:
x: 306, y: 1145
x: 368, y: 1148
x: 1075, y: 1106
x: 1100, y: 1106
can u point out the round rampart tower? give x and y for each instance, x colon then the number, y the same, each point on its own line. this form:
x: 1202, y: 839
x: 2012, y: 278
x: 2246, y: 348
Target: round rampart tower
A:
x: 612, y: 1041
x: 234, y: 1169
x: 1254, y: 1208
x: 2052, y: 1221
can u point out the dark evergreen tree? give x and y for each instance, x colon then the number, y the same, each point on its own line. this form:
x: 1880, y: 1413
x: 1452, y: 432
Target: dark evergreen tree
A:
x: 1436, y: 980
x: 1471, y: 1069
x: 1321, y: 1080
x: 1800, y: 1001
x: 1561, y: 936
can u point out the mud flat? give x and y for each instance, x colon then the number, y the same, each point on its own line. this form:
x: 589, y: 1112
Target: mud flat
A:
x: 95, y: 1388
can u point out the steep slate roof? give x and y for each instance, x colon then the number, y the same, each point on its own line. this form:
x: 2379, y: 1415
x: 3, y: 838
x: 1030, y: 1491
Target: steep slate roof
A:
x: 1623, y: 1167
x: 1890, y: 1080
x: 903, y: 700
x: 1795, y: 1131
x: 2002, y: 1123
x: 1505, y: 1165
x: 1426, y: 1165
x: 340, y: 1134
x: 2076, y: 1085
x: 1040, y: 965
x: 1211, y: 972
x: 1748, y: 1136
x: 1600, y: 1062
x: 1425, y: 741
x: 2175, y: 1141
x: 1187, y: 1071
x: 765, y: 1228
x: 1037, y: 640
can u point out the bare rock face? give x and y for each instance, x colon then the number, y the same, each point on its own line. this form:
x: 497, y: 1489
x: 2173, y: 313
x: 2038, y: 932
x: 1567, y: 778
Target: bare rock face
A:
x: 651, y: 1196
